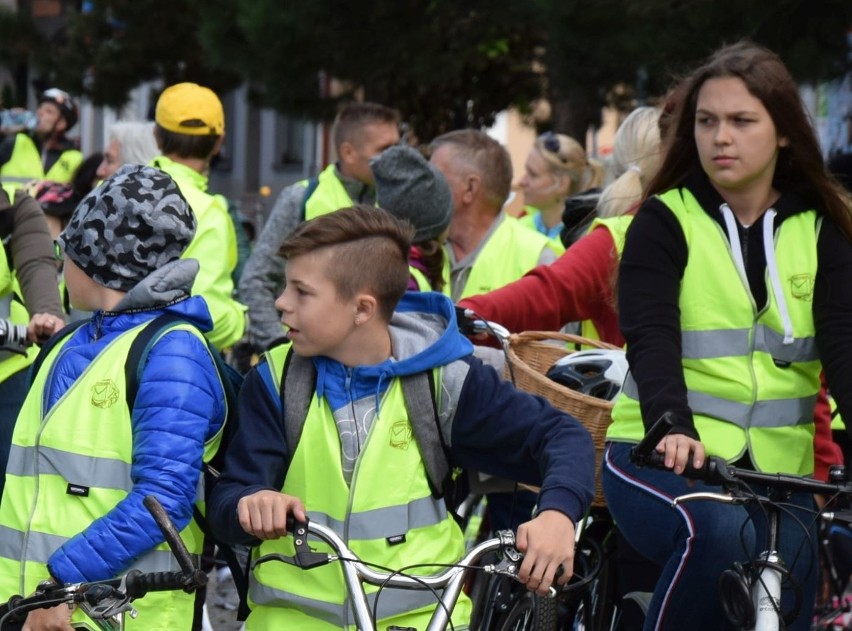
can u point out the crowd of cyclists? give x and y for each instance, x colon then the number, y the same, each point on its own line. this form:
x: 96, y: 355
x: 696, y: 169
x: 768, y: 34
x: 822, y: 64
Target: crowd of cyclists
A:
x: 714, y: 248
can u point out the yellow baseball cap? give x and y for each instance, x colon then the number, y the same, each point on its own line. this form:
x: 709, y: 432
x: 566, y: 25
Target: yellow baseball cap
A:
x: 191, y: 109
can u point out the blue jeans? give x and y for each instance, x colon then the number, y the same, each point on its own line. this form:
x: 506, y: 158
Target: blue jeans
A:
x: 695, y: 542
x: 13, y: 391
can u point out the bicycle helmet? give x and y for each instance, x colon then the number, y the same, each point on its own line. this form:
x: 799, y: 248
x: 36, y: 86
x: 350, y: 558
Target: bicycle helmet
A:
x: 598, y: 372
x: 62, y: 100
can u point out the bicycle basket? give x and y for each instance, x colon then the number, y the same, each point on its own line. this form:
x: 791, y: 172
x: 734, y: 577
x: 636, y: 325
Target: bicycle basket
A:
x: 531, y: 354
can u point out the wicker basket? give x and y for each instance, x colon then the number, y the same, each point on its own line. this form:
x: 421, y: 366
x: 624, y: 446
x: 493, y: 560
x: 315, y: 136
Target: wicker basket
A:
x: 530, y: 355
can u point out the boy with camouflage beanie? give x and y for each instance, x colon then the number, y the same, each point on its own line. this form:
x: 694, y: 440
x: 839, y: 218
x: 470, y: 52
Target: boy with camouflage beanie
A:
x: 91, y: 457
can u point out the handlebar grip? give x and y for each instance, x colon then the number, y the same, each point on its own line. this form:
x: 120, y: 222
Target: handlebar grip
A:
x: 138, y: 584
x: 170, y: 533
x: 645, y: 447
x: 656, y: 460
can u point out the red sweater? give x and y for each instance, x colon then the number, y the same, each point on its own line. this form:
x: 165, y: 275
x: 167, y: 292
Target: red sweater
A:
x: 577, y: 286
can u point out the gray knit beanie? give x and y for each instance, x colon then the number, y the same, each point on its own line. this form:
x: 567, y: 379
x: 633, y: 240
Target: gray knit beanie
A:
x: 134, y: 223
x: 409, y: 187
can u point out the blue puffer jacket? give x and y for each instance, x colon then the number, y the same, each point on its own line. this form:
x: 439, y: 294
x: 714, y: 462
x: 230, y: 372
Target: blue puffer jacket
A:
x: 179, y: 405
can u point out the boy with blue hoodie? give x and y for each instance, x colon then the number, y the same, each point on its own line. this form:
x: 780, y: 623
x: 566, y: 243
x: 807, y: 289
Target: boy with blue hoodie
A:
x: 81, y: 460
x: 356, y: 466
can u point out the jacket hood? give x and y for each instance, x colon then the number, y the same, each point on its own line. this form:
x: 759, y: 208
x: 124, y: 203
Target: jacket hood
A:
x: 424, y: 335
x: 171, y: 282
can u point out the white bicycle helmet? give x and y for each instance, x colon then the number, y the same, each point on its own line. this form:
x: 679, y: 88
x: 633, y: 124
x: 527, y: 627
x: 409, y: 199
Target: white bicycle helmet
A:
x: 598, y: 372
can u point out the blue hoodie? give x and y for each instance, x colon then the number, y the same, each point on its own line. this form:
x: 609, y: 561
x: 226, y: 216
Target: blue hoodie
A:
x: 488, y: 425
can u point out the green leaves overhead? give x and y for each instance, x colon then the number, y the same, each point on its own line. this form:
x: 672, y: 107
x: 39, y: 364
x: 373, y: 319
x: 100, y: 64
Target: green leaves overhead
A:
x: 444, y: 63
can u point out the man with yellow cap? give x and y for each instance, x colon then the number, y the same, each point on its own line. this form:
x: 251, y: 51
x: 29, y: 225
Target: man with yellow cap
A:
x: 190, y: 128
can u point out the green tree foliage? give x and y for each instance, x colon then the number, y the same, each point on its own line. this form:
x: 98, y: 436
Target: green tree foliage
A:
x: 116, y: 44
x: 444, y: 64
x: 595, y: 45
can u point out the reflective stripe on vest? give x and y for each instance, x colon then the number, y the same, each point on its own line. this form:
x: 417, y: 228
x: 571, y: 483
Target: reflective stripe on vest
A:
x: 329, y: 195
x: 746, y: 388
x: 63, y: 169
x: 24, y: 164
x: 71, y: 465
x: 387, y: 515
x: 510, y: 252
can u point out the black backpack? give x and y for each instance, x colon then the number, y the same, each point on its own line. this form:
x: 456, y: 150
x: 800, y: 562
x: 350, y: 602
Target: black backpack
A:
x: 232, y: 380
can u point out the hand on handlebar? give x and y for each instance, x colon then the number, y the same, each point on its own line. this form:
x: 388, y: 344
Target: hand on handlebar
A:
x: 547, y: 543
x: 42, y: 326
x: 264, y: 514
x: 677, y: 449
x: 54, y: 619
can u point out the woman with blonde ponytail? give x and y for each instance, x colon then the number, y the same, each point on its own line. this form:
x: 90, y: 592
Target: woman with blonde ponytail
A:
x: 635, y: 160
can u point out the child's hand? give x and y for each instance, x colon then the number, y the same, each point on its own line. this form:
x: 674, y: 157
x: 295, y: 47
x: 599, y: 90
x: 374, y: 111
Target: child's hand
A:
x: 547, y: 543
x: 264, y: 514
x: 54, y: 619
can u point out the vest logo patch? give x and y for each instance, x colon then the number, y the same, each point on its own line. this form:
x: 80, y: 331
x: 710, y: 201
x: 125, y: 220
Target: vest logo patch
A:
x: 802, y: 287
x: 400, y: 435
x: 78, y: 490
x: 104, y: 393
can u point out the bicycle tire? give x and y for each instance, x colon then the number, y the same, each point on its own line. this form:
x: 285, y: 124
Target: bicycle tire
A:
x: 530, y: 612
x: 597, y: 608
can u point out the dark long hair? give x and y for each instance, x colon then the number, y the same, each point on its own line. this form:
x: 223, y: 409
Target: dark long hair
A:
x: 432, y: 255
x: 800, y: 167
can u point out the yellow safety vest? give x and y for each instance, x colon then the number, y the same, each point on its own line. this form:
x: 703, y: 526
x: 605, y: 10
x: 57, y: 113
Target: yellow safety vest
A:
x: 63, y: 169
x: 528, y: 221
x: 329, y: 195
x: 214, y: 246
x: 510, y: 252
x: 386, y: 515
x: 24, y: 164
x: 86, y: 441
x: 746, y: 388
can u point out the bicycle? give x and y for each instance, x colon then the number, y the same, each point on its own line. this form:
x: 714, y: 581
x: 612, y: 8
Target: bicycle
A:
x: 106, y: 602
x: 751, y: 592
x: 446, y: 585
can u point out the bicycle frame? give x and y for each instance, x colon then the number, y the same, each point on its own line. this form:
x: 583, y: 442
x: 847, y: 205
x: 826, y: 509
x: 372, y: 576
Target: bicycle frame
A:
x: 764, y: 587
x: 356, y: 573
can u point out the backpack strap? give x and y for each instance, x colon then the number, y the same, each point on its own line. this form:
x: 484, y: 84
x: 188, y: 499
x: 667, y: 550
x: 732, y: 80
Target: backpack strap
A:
x: 312, y: 185
x: 138, y: 353
x: 419, y: 393
x: 48, y: 346
x: 298, y: 384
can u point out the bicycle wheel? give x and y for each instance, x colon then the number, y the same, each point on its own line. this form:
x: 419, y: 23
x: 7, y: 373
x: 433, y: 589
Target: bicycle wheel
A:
x: 530, y: 612
x: 594, y: 607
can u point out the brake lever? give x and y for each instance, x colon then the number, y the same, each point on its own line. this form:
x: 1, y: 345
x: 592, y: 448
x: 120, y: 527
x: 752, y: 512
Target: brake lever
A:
x: 102, y: 602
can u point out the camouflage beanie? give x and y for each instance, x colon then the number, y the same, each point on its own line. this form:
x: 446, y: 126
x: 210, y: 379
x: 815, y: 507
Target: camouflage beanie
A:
x: 134, y: 223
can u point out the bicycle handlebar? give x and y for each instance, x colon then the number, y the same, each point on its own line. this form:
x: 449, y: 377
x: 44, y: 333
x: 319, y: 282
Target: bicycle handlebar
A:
x: 470, y: 324
x: 110, y: 597
x: 355, y: 571
x: 717, y: 471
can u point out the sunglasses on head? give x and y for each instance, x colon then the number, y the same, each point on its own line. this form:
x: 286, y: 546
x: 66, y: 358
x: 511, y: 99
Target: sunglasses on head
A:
x: 550, y: 141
